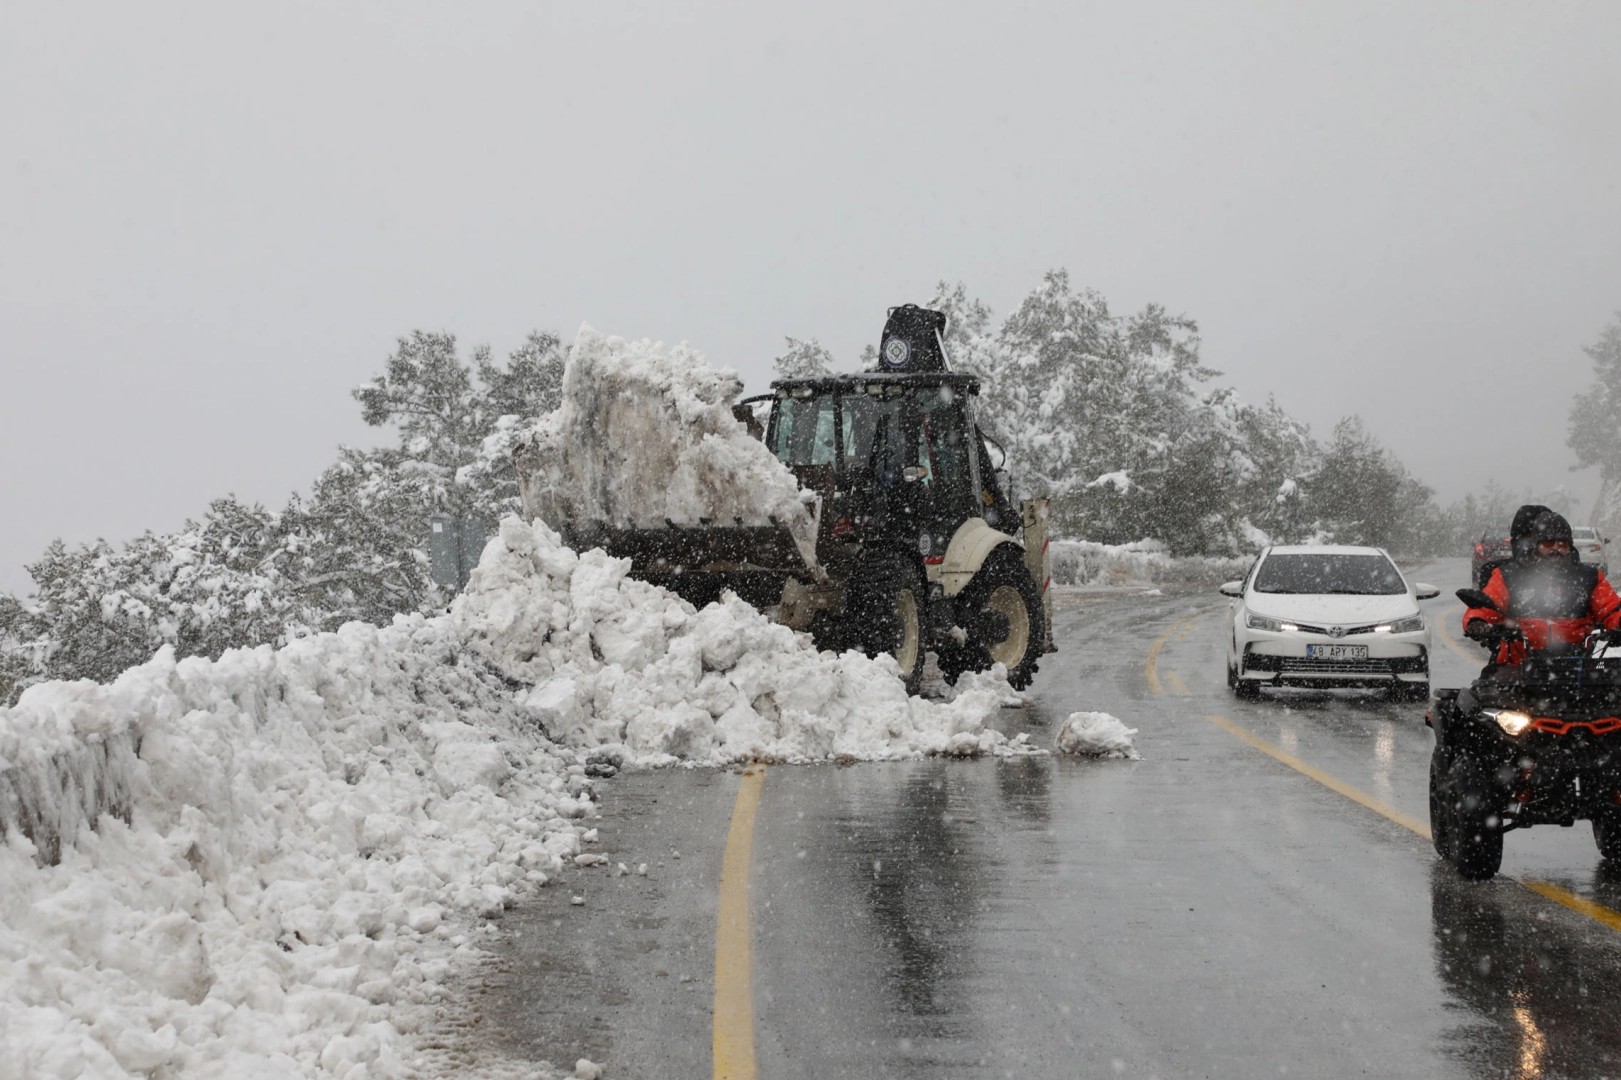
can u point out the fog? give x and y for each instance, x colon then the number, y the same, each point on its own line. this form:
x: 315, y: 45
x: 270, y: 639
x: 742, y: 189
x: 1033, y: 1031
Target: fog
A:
x: 218, y: 220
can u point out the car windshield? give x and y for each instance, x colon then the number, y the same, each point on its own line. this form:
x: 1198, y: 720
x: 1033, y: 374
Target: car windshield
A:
x: 1584, y: 534
x: 1372, y: 575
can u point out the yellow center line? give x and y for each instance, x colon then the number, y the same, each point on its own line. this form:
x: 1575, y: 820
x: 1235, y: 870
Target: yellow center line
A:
x: 734, y: 962
x: 1596, y: 912
x: 1582, y: 906
x: 1245, y: 735
x: 1151, y: 665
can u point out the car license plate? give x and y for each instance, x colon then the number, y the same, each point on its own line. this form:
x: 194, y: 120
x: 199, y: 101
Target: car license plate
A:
x: 1336, y: 652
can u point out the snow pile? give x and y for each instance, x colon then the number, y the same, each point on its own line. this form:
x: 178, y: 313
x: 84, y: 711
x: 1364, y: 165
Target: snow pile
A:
x: 1146, y: 562
x: 630, y: 666
x: 301, y: 838
x: 645, y: 436
x: 1096, y: 734
x: 304, y: 824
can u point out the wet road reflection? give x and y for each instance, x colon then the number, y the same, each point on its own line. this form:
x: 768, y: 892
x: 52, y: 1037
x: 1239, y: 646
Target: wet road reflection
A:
x: 920, y: 900
x: 901, y: 873
x: 1541, y: 989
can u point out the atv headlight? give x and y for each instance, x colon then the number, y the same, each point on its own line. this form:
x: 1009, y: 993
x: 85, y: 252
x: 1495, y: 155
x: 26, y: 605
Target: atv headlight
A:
x: 1512, y: 721
x: 1401, y: 626
x: 1262, y: 622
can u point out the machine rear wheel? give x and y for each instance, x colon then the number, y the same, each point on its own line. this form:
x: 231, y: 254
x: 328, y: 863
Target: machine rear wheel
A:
x: 1003, y: 616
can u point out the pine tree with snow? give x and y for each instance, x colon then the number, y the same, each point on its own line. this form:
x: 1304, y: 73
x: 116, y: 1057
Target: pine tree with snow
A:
x: 1594, y: 434
x: 803, y: 359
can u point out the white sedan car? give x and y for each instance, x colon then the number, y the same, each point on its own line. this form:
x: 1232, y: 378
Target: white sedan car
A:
x: 1328, y: 616
x: 1590, y: 546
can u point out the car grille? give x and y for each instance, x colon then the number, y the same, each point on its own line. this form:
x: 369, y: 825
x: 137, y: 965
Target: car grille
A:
x: 1348, y: 631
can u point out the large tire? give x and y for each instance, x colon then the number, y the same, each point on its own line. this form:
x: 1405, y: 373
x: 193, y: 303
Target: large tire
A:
x: 1476, y: 826
x: 1242, y: 688
x: 884, y: 614
x: 1607, y: 835
x: 1001, y: 595
x: 1441, y: 823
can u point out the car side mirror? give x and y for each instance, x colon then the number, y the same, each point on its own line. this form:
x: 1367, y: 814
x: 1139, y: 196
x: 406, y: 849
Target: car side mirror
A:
x: 1476, y: 598
x: 1232, y: 588
x: 1425, y: 592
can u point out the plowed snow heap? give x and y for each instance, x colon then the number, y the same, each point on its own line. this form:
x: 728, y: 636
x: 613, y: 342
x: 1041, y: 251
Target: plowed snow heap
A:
x: 645, y: 455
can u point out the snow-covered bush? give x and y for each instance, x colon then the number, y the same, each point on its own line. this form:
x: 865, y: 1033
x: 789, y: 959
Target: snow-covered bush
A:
x: 1081, y: 562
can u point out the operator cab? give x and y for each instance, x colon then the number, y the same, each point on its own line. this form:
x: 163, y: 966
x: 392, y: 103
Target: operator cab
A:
x: 897, y: 451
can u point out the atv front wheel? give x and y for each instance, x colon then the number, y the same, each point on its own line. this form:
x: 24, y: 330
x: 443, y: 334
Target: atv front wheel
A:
x: 1001, y: 610
x: 1441, y: 823
x: 1607, y: 835
x: 1476, y: 825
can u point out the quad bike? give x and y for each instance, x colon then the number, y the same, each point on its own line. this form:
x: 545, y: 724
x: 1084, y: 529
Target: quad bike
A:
x: 1533, y: 744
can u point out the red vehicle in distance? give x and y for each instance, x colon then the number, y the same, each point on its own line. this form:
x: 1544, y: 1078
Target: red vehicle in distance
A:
x: 1492, y: 548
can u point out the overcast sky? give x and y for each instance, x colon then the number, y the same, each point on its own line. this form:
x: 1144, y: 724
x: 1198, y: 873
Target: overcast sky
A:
x: 219, y: 217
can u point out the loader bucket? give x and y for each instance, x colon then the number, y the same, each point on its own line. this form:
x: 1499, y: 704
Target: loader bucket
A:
x: 697, y: 562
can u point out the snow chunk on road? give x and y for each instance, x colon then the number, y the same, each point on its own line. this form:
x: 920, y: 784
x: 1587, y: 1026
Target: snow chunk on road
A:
x: 618, y: 662
x: 1096, y: 734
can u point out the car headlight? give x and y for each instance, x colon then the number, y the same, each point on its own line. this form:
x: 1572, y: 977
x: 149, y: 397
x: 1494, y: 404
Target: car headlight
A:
x: 1512, y: 721
x: 1262, y: 622
x: 1401, y: 626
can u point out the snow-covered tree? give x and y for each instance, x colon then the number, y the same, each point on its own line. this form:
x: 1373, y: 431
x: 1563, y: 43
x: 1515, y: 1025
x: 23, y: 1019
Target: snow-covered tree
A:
x: 1094, y: 404
x: 1594, y: 434
x: 356, y: 548
x: 1279, y: 453
x: 214, y: 584
x: 1361, y: 494
x: 802, y: 359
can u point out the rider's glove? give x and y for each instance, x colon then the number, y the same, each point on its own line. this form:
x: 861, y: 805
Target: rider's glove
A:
x: 1478, y: 630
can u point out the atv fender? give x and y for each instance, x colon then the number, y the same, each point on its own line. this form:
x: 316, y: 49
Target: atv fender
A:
x: 970, y: 546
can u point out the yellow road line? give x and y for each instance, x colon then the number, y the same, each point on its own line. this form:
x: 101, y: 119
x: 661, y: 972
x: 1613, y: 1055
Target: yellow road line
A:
x: 1151, y: 665
x: 734, y: 962
x: 1596, y: 912
x: 1582, y: 906
x: 1245, y: 735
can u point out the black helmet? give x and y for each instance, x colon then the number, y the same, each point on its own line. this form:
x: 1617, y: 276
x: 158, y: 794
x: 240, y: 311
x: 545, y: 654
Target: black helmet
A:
x: 1521, y: 542
x: 1550, y: 526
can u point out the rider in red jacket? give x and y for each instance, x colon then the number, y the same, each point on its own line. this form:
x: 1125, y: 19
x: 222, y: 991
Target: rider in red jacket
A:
x: 1554, y: 599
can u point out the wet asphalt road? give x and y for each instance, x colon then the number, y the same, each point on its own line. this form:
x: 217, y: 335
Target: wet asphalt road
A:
x: 1207, y: 911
